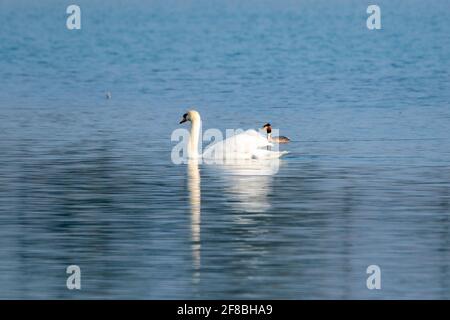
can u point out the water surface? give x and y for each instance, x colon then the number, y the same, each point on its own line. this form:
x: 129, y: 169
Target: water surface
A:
x: 89, y: 181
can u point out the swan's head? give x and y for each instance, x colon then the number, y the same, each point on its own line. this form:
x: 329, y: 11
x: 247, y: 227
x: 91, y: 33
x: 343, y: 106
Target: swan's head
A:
x: 267, y: 127
x: 191, y: 115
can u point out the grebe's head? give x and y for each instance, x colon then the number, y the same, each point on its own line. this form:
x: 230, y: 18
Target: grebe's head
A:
x: 191, y: 115
x: 267, y: 127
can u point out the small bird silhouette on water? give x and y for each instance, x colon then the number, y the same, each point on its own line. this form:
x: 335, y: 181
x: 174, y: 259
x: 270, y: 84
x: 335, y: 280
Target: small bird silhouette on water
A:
x: 108, y: 95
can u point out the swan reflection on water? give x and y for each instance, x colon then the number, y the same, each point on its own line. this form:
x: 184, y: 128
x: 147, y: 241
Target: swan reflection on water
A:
x: 195, y: 204
x: 247, y: 183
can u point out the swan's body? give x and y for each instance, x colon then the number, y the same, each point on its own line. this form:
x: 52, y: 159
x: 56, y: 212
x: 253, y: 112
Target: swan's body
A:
x: 246, y: 145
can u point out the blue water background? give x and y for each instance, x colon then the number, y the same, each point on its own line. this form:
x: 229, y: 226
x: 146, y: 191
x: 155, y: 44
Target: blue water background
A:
x: 89, y: 181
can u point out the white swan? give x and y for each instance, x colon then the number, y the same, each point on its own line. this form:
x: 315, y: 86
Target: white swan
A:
x: 246, y: 145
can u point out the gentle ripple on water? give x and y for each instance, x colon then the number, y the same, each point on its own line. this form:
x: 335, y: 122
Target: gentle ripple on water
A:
x: 89, y: 181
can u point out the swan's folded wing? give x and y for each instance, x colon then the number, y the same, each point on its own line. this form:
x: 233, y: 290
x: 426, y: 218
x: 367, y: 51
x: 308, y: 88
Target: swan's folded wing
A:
x: 255, y: 138
x: 239, y: 146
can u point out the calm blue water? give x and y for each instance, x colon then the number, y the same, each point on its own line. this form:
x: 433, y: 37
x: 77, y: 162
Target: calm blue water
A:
x: 88, y: 181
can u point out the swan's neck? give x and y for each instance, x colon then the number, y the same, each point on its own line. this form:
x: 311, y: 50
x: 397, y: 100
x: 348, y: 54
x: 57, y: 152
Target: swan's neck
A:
x: 192, y: 148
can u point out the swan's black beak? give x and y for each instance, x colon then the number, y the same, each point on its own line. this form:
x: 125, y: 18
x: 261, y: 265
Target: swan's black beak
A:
x: 184, y: 118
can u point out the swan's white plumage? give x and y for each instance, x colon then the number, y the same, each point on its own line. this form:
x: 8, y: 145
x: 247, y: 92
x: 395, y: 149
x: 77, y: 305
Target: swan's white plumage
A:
x: 239, y: 146
x: 249, y: 144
